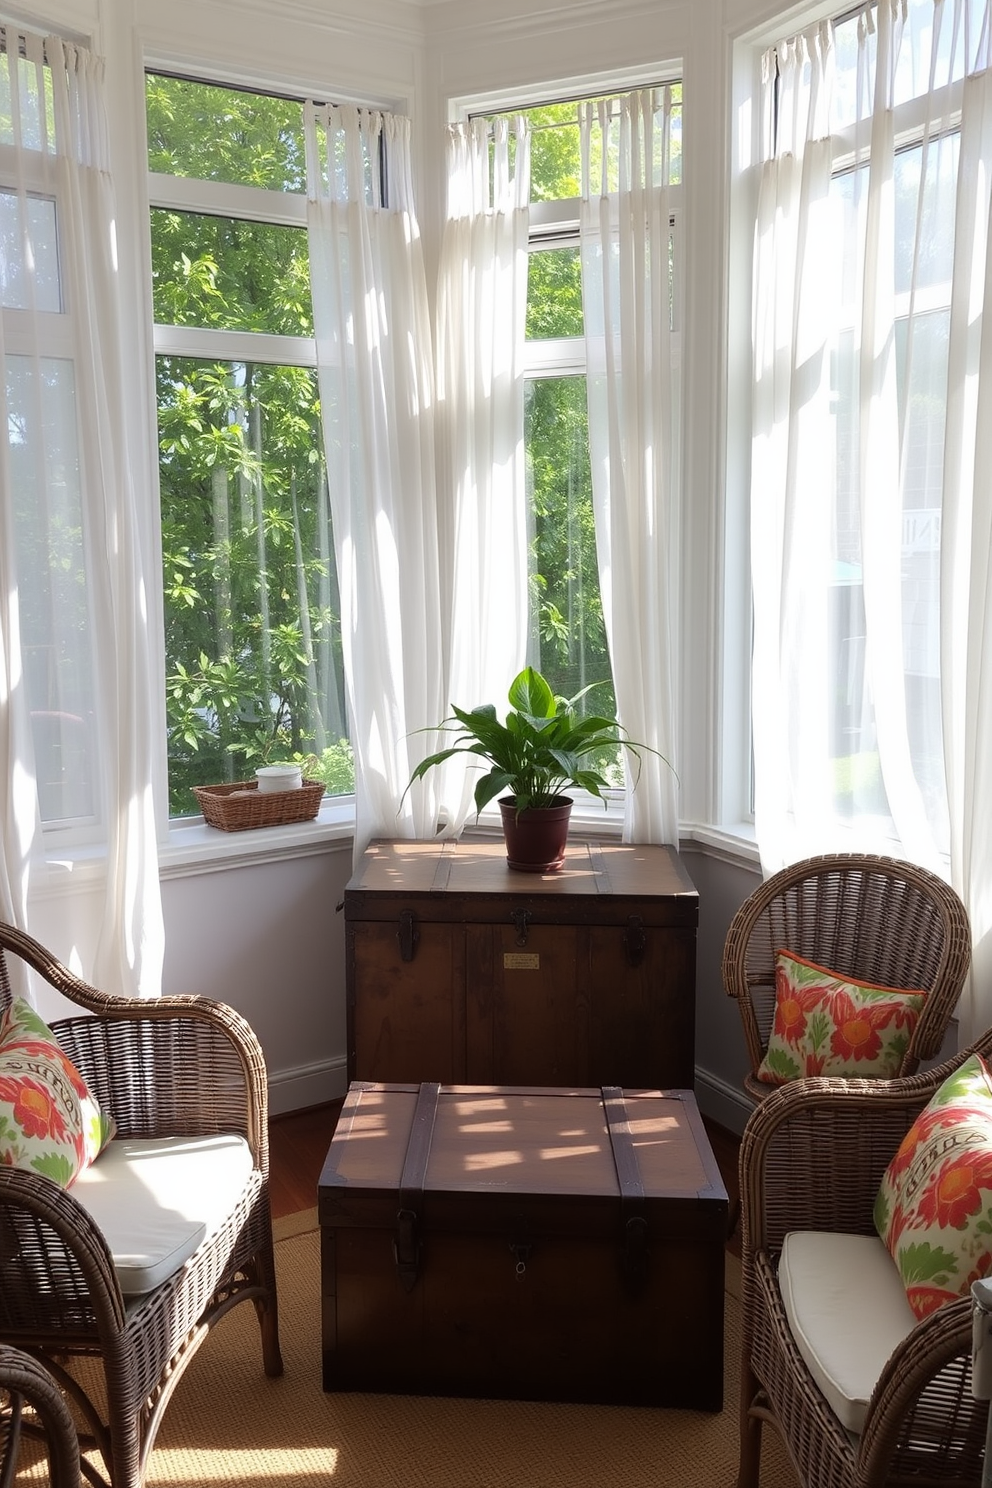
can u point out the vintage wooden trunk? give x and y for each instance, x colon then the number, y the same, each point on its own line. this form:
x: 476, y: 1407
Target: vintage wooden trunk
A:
x: 523, y: 1243
x: 461, y: 970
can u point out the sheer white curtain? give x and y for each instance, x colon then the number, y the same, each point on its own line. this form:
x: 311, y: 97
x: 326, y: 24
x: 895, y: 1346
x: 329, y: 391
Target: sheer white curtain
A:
x: 377, y: 406
x: 871, y: 493
x: 797, y: 259
x: 76, y: 708
x: 626, y: 243
x: 482, y: 302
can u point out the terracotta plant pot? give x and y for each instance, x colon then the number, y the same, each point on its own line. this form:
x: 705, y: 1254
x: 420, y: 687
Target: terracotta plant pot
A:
x: 535, y: 838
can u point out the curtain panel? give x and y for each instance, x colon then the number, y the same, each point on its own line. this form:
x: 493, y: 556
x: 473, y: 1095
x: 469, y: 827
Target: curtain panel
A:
x: 482, y: 303
x: 374, y: 358
x: 871, y: 491
x: 626, y: 247
x: 76, y: 675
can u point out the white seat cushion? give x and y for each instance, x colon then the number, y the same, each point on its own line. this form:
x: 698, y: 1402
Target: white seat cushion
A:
x: 155, y: 1200
x: 847, y: 1310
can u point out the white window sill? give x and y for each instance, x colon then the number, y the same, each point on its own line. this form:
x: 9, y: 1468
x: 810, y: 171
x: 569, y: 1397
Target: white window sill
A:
x: 194, y: 848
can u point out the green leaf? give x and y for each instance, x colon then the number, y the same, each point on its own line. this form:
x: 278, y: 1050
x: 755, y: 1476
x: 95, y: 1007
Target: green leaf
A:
x: 781, y: 1065
x: 55, y: 1166
x: 926, y: 1262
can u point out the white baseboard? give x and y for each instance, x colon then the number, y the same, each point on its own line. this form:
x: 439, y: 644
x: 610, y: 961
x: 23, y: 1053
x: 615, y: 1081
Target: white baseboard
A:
x: 728, y: 1105
x: 316, y: 1084
x: 307, y: 1085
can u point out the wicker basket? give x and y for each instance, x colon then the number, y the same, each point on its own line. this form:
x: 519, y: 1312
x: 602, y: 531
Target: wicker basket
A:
x: 240, y: 805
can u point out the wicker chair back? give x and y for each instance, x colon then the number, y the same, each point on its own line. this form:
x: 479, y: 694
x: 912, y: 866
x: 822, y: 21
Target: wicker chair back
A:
x: 873, y: 918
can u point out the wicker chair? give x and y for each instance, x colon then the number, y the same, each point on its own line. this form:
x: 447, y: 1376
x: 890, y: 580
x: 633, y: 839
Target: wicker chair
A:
x: 23, y: 1382
x: 166, y: 1068
x: 873, y: 918
x: 812, y: 1158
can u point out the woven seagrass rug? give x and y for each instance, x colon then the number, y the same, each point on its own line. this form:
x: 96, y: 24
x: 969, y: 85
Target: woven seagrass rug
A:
x: 228, y: 1424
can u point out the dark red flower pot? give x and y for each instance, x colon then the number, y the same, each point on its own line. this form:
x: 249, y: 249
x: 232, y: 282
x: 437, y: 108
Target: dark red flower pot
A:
x: 535, y: 838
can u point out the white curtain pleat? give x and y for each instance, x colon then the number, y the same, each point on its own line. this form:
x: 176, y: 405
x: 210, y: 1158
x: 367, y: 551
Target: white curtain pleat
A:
x: 374, y: 356
x: 625, y: 217
x: 482, y: 301
x: 71, y: 165
x: 797, y: 259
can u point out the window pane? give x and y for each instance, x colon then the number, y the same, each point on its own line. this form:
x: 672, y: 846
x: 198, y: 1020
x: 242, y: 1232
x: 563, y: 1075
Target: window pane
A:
x: 253, y: 647
x: 554, y: 293
x: 568, y: 636
x: 921, y: 274
x: 226, y: 274
x: 52, y: 596
x: 15, y: 285
x: 223, y: 134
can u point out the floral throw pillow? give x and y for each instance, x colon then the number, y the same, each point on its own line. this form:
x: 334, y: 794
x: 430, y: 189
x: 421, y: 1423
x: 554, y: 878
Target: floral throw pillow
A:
x: 49, y: 1121
x: 827, y: 1024
x: 934, y: 1206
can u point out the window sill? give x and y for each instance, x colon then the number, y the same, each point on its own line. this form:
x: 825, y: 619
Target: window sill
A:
x: 193, y: 847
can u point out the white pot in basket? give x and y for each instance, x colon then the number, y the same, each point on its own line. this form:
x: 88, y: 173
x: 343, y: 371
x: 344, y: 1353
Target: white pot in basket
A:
x: 279, y: 778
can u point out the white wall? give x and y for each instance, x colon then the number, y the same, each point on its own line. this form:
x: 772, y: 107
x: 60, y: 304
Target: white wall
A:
x: 263, y: 933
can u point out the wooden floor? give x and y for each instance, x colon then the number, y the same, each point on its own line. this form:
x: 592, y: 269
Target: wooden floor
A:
x: 298, y: 1144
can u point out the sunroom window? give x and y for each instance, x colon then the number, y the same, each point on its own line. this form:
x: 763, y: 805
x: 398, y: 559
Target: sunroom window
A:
x: 568, y: 640
x: 252, y: 616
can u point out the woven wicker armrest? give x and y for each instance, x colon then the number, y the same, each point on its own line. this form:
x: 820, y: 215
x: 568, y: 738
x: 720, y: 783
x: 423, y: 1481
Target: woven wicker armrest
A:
x: 58, y: 1273
x: 814, y: 1152
x: 26, y: 1381
x: 923, y: 1396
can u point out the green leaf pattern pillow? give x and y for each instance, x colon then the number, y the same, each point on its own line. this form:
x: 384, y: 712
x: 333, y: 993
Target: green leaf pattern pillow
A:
x: 934, y: 1206
x: 50, y: 1123
x: 828, y: 1024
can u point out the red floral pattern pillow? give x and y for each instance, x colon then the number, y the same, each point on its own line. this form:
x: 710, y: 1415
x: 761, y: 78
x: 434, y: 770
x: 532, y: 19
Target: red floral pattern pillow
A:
x: 49, y: 1121
x: 827, y: 1024
x: 934, y: 1207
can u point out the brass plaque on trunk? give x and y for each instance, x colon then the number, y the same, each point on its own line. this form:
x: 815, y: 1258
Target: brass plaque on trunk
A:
x: 521, y: 961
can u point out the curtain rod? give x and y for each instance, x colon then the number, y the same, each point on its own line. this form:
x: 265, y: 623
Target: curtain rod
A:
x: 585, y: 98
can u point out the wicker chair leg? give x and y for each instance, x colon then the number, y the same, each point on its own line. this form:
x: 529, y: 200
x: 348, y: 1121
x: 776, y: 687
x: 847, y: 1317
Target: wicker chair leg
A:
x: 268, y: 1319
x: 750, y: 1430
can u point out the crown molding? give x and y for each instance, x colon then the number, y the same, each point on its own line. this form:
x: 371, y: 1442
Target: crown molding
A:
x: 454, y: 20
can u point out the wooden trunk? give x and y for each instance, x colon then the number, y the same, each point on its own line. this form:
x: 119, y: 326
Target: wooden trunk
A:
x: 461, y: 970
x: 523, y: 1243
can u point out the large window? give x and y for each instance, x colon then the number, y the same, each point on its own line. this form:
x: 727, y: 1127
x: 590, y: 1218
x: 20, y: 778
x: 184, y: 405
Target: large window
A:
x: 861, y: 311
x: 252, y: 619
x: 567, y: 632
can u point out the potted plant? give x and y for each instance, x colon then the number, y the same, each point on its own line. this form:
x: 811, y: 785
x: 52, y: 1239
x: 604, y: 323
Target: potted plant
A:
x: 541, y: 749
